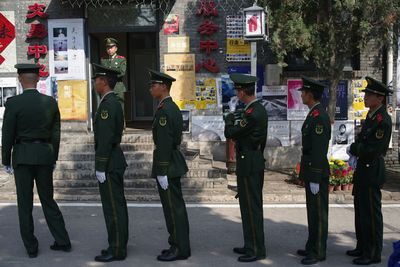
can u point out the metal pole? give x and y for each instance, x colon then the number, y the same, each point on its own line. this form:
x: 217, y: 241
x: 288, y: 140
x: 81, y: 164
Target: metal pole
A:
x: 254, y: 61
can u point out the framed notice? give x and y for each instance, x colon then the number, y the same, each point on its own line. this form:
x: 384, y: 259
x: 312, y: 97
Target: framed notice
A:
x: 237, y: 49
x: 72, y: 100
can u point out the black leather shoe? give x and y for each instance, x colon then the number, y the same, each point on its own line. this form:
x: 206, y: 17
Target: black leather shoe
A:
x: 249, y: 258
x: 108, y: 257
x: 366, y: 261
x: 65, y: 248
x: 33, y: 254
x: 354, y: 253
x: 309, y: 260
x: 104, y: 252
x: 239, y: 250
x: 171, y: 256
x: 302, y: 252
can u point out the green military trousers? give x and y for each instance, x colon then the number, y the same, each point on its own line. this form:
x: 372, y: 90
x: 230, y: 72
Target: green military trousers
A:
x: 25, y: 175
x: 115, y: 212
x: 368, y: 220
x: 317, y: 217
x: 251, y: 209
x: 175, y: 215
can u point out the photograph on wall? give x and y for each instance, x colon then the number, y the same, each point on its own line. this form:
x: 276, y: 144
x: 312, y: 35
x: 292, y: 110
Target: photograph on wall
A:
x: 8, y: 47
x: 67, y: 58
x: 186, y: 120
x: 8, y: 88
x: 343, y: 136
x: 208, y: 128
x: 275, y: 102
x: 359, y: 109
x: 171, y: 25
x: 341, y: 112
x: 278, y: 134
x: 206, y: 93
x: 72, y: 100
x: 296, y: 109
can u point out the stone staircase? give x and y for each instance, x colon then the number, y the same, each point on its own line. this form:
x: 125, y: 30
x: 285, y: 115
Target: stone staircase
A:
x: 74, y: 177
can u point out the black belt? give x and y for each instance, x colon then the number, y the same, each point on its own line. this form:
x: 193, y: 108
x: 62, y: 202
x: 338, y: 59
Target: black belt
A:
x: 33, y: 141
x: 251, y: 148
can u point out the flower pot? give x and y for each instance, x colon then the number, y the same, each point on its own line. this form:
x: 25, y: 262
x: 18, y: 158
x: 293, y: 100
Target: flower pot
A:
x: 338, y: 188
x: 330, y: 188
x: 345, y: 187
x: 350, y: 187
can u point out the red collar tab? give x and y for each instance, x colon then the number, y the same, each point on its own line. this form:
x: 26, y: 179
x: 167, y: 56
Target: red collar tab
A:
x: 379, y: 117
x: 249, y: 110
x: 315, y: 113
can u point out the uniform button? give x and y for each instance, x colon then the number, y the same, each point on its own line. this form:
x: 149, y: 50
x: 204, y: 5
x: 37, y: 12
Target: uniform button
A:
x: 367, y: 165
x: 309, y: 164
x: 242, y: 157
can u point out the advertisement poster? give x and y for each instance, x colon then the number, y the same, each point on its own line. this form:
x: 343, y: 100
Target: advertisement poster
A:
x: 296, y: 109
x: 237, y: 49
x: 67, y: 59
x: 178, y: 44
x: 278, y: 133
x: 206, y: 93
x: 8, y: 88
x: 247, y: 70
x: 343, y: 136
x: 171, y: 25
x: 341, y: 112
x: 359, y: 110
x: 228, y: 93
x: 72, y: 100
x: 275, y: 102
x: 8, y: 47
x: 208, y: 128
x: 181, y: 67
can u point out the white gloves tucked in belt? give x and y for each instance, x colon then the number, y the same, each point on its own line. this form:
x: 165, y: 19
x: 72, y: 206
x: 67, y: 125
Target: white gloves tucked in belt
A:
x: 101, y: 176
x: 163, y: 181
x: 314, y: 187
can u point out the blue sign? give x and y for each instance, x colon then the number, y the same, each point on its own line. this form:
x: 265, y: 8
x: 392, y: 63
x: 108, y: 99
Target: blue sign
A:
x: 341, y: 112
x: 247, y: 70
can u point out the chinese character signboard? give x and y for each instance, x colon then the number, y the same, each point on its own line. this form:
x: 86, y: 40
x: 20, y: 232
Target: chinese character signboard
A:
x: 66, y: 50
x: 178, y: 44
x: 7, y: 42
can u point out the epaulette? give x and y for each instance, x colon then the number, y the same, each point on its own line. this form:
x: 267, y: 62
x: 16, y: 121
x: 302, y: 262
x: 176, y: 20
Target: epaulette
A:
x: 315, y: 113
x: 249, y: 111
x: 118, y: 56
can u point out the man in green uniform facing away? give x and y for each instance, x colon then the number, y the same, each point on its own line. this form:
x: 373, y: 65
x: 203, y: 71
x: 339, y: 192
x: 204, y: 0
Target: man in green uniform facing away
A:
x: 31, y: 131
x: 369, y: 149
x: 314, y: 171
x: 110, y: 164
x: 118, y: 63
x: 250, y: 135
x: 168, y: 167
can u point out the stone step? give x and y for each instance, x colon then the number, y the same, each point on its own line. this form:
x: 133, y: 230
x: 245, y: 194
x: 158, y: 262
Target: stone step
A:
x: 76, y: 148
x: 87, y: 138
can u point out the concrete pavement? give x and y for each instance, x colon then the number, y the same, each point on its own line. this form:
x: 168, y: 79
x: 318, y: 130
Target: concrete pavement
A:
x: 215, y: 230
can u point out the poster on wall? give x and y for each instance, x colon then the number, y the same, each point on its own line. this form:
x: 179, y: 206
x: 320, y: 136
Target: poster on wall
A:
x: 181, y: 67
x: 171, y: 24
x: 208, y: 128
x: 275, y: 102
x: 72, y: 100
x: 206, y: 93
x: 178, y: 44
x: 397, y: 120
x: 296, y: 109
x: 359, y: 109
x: 186, y: 120
x: 8, y: 88
x: 343, y: 136
x: 247, y: 70
x: 67, y: 59
x: 8, y: 46
x: 295, y: 133
x: 237, y: 49
x: 341, y: 112
x: 278, y: 134
x: 44, y: 86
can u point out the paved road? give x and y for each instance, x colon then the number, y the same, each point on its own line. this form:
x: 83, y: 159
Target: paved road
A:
x: 214, y: 231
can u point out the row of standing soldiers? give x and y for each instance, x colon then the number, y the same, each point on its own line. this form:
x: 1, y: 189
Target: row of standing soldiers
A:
x: 31, y: 139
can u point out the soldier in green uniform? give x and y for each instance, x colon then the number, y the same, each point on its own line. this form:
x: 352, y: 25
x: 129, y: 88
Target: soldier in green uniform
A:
x: 314, y: 171
x: 30, y: 142
x: 118, y: 63
x: 168, y: 166
x: 370, y: 148
x: 250, y: 135
x: 110, y: 164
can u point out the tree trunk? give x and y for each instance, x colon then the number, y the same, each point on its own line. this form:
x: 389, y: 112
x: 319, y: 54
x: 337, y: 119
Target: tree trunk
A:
x: 332, y: 98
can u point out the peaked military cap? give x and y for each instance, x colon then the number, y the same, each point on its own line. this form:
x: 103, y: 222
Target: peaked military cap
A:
x: 312, y: 85
x: 27, y: 68
x: 110, y: 42
x: 159, y: 77
x: 243, y: 80
x: 376, y: 87
x: 100, y: 70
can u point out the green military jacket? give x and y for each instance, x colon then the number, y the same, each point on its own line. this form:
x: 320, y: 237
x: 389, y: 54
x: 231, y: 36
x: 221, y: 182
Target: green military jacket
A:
x: 31, y: 129
x: 167, y: 136
x: 108, y: 128
x: 250, y: 138
x: 370, y: 147
x: 118, y: 63
x: 316, y: 133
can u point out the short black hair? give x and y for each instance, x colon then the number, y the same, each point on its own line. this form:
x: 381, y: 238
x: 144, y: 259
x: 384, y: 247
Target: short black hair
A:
x: 249, y: 90
x: 111, y: 81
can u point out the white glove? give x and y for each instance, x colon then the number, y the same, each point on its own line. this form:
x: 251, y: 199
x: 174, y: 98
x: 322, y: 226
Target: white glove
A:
x: 101, y: 176
x: 163, y: 181
x: 8, y: 169
x: 353, y: 162
x: 314, y: 187
x: 232, y: 103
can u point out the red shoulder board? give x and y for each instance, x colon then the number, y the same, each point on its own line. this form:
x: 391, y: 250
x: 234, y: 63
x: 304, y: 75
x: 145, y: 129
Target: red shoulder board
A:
x: 160, y: 106
x: 249, y: 111
x: 118, y: 56
x: 379, y: 117
x: 315, y: 113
